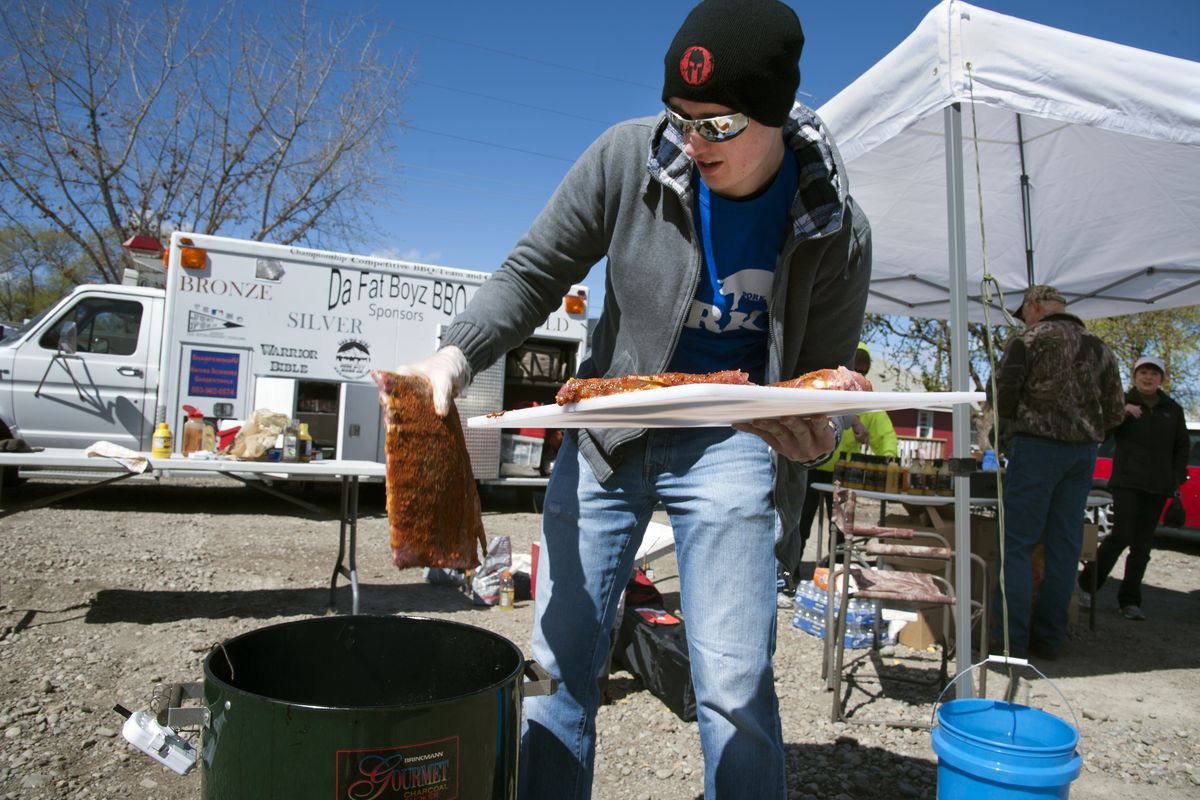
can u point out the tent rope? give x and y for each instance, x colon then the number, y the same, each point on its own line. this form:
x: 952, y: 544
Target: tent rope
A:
x: 989, y: 290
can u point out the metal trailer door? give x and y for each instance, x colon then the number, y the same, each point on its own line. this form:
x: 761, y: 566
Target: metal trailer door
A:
x: 483, y: 396
x: 362, y: 435
x: 216, y: 379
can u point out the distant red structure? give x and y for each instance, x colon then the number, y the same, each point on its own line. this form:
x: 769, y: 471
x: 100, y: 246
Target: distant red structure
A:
x: 927, y: 432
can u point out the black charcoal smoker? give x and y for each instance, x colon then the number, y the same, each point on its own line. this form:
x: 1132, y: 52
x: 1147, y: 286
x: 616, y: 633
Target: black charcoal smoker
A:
x: 350, y: 707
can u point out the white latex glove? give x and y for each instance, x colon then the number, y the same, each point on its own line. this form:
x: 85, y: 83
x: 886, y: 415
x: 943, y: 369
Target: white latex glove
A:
x: 447, y: 372
x: 803, y: 439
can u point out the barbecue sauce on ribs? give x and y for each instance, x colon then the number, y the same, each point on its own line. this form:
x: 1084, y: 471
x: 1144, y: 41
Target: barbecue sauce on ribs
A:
x: 432, y: 503
x: 840, y: 379
x: 577, y: 389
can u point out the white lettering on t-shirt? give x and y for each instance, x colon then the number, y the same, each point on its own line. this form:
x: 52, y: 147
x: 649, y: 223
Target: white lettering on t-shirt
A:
x: 746, y: 293
x: 753, y: 285
x: 704, y: 316
x: 741, y: 321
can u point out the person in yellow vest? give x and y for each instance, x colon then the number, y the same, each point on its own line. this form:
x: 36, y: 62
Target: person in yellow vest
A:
x: 870, y: 428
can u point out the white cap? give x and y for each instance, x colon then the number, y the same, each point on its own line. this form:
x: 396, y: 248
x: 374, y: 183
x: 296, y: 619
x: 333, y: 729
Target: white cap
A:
x: 1150, y: 361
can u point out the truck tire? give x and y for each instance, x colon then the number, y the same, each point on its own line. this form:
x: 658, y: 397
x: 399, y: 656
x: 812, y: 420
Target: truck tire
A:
x: 9, y: 475
x: 1101, y: 515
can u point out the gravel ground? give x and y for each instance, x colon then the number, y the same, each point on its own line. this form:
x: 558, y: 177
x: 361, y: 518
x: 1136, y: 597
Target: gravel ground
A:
x: 113, y: 591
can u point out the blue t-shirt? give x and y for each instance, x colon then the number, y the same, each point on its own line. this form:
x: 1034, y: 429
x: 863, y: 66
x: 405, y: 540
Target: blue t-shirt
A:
x: 726, y: 327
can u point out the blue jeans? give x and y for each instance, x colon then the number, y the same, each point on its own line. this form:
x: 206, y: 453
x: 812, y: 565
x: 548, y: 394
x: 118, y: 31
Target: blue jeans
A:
x: 717, y: 487
x: 1045, y: 494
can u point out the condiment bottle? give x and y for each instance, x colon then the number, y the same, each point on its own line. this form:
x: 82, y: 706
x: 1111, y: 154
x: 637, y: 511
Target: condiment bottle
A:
x: 916, y: 476
x: 193, y: 431
x: 210, y: 437
x: 839, y: 468
x: 868, y: 465
x: 162, y: 441
x: 854, y: 472
x: 878, y: 473
x: 508, y: 591
x: 945, y: 479
x: 304, y: 444
x: 929, y: 474
x: 291, y: 442
x: 892, y: 485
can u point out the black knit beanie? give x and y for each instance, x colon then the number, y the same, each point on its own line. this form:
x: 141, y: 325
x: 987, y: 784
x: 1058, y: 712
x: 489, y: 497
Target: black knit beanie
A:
x: 744, y: 54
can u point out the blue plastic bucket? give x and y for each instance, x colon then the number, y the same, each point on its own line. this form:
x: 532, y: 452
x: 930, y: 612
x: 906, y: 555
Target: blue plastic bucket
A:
x: 1003, y: 751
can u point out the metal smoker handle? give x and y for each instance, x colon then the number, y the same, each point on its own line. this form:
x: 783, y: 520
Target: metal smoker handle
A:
x: 167, y: 700
x: 539, y: 682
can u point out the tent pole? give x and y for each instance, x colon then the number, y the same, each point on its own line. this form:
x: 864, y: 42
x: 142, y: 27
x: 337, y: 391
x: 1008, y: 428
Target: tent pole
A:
x: 955, y: 217
x: 1026, y: 215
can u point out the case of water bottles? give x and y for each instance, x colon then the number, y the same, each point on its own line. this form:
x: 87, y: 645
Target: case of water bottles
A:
x: 809, y: 616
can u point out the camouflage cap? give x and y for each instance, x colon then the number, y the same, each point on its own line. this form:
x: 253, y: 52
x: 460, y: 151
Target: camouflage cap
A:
x: 1039, y: 291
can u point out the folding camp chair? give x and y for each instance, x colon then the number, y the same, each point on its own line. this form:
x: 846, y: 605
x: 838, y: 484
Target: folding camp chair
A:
x: 863, y: 552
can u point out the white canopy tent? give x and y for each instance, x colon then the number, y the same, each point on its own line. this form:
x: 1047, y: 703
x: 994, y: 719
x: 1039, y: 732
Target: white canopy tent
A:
x: 1108, y: 135
x: 1089, y: 161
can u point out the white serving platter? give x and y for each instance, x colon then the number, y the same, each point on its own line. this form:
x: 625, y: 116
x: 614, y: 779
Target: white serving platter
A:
x: 711, y: 405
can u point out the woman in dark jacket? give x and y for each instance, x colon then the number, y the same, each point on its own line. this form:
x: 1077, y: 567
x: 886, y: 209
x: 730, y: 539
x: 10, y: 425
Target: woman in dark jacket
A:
x: 1149, y: 465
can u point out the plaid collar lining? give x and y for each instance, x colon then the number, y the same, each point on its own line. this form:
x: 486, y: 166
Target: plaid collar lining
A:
x: 817, y: 209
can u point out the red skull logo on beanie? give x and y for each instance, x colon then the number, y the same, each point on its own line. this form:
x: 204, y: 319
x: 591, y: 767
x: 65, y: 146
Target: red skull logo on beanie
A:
x: 696, y: 66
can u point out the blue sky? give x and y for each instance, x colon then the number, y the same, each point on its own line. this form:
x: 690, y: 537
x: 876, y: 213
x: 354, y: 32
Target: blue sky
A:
x: 504, y: 96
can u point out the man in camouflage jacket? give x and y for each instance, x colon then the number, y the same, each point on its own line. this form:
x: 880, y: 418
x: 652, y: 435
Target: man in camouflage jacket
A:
x: 1058, y: 394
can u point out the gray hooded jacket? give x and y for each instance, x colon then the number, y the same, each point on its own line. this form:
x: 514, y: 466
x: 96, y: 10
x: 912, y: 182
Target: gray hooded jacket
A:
x: 629, y: 198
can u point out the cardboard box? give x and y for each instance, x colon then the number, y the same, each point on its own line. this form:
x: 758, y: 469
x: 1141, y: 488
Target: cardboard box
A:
x: 925, y: 632
x: 928, y: 628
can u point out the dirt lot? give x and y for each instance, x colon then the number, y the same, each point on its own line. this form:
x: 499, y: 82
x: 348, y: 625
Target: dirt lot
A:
x: 111, y: 592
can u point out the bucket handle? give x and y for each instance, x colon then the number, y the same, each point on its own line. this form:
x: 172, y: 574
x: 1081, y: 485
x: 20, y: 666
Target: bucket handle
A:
x: 1010, y: 661
x: 539, y: 682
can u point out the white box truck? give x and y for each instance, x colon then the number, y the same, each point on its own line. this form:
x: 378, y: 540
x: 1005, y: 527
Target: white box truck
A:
x: 241, y: 325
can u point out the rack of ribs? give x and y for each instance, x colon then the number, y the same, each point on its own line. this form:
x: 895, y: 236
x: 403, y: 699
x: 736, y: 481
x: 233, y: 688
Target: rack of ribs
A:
x: 577, y: 389
x: 432, y: 503
x: 840, y: 379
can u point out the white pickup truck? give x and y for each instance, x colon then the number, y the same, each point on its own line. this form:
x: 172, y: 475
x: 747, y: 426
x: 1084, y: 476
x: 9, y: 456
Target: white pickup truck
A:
x: 243, y: 325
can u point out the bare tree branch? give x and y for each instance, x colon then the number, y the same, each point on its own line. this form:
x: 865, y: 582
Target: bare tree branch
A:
x: 214, y: 120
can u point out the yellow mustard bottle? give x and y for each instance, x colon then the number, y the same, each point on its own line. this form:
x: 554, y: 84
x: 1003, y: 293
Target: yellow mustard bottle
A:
x: 304, y: 444
x: 162, y: 442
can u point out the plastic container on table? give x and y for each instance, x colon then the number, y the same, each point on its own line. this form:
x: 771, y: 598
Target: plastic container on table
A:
x: 193, y: 431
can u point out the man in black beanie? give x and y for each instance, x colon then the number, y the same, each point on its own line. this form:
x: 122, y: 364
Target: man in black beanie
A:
x: 732, y: 243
